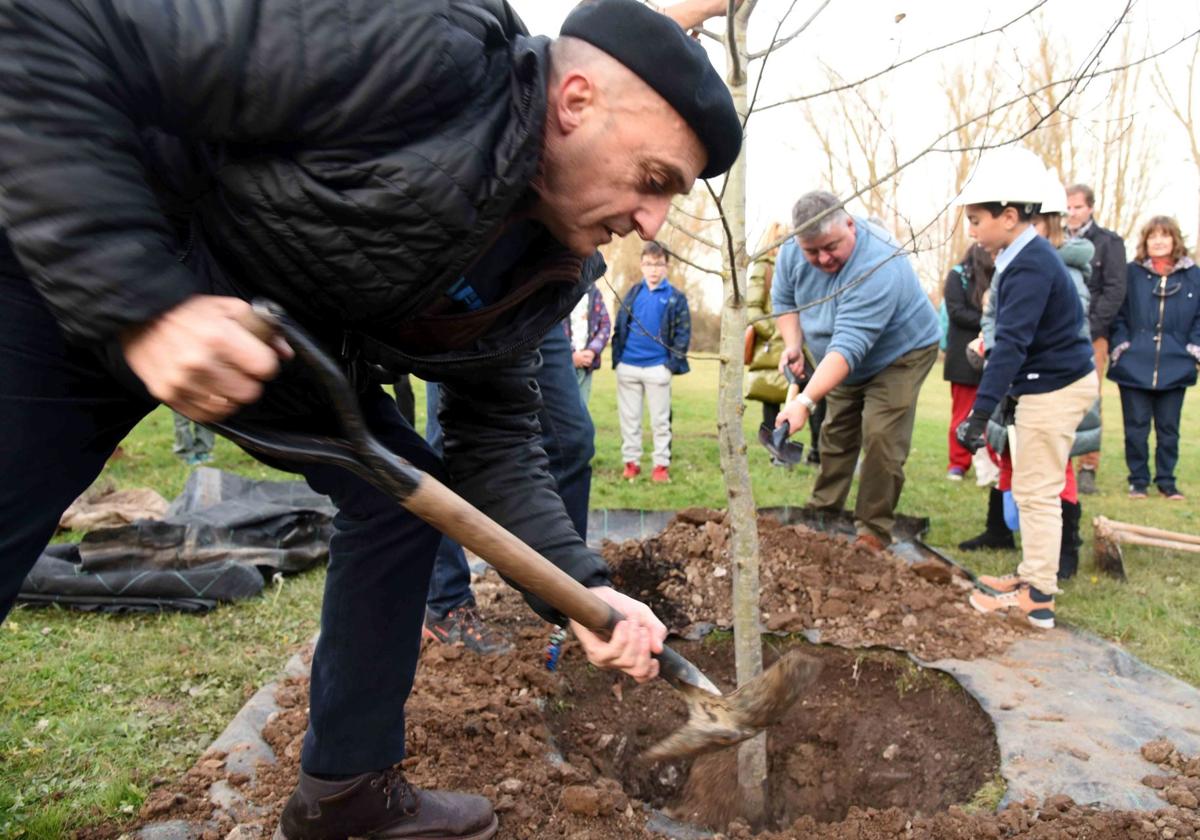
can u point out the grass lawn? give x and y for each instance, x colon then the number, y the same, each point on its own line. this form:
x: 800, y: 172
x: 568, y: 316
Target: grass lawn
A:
x: 94, y: 708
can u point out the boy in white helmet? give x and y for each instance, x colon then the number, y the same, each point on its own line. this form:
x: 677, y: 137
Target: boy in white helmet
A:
x: 1039, y: 358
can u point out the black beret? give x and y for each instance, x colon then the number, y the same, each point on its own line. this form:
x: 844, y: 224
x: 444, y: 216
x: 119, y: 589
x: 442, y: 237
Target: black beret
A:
x: 659, y: 52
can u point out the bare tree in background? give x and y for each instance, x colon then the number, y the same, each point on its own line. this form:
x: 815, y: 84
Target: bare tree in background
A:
x: 852, y: 128
x: 1183, y: 106
x: 1108, y: 145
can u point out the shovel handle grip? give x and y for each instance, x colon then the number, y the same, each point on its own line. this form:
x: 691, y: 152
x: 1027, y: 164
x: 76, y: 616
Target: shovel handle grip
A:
x: 516, y: 561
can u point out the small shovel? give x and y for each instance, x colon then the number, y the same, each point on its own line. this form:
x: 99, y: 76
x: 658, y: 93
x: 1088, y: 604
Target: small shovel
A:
x: 714, y: 721
x: 789, y: 453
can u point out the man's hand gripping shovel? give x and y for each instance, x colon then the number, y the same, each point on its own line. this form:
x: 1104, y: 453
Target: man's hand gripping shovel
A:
x: 776, y: 440
x: 714, y: 720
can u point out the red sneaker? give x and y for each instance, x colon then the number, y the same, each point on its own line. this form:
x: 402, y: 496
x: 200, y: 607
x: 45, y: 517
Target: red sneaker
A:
x: 660, y: 476
x: 632, y: 471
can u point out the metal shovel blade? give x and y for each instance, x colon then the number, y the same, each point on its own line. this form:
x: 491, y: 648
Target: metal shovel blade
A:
x: 716, y: 721
x: 783, y: 450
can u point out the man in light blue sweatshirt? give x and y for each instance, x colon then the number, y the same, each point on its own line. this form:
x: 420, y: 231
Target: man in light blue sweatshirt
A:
x: 846, y: 288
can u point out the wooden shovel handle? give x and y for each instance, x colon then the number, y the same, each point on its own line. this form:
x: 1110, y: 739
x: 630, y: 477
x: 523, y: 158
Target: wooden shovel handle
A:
x: 468, y: 526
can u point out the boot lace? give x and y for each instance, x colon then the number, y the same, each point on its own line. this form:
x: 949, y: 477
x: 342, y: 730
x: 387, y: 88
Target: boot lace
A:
x: 396, y: 787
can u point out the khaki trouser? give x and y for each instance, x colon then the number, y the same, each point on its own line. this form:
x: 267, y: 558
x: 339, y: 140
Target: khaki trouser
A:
x: 1091, y: 460
x: 877, y: 417
x: 1046, y: 426
x: 654, y: 384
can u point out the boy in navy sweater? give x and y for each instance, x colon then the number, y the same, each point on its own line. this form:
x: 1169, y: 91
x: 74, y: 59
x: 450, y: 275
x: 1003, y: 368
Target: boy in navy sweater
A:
x: 1041, y: 360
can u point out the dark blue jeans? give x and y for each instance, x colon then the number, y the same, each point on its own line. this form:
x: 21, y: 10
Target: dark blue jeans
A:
x: 1139, y: 407
x: 568, y: 437
x: 64, y: 410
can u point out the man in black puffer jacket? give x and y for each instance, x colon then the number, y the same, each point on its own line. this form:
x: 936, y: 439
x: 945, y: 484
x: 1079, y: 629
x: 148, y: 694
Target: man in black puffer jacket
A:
x: 423, y: 186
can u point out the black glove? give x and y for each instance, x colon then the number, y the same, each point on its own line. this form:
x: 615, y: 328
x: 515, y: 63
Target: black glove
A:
x: 972, y: 432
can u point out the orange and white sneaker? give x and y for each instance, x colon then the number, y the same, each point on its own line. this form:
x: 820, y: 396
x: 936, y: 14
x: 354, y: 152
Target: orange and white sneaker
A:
x: 1037, y: 606
x: 1001, y: 583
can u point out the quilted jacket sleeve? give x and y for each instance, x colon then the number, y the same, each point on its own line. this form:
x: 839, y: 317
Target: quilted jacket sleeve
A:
x: 494, y: 455
x: 79, y: 79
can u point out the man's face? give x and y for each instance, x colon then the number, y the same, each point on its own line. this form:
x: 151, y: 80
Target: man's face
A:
x: 654, y: 269
x: 830, y: 249
x: 1078, y: 212
x: 611, y: 168
x: 992, y: 232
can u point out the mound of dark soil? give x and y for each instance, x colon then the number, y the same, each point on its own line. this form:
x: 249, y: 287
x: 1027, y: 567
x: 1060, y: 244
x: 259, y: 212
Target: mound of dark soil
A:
x: 855, y: 597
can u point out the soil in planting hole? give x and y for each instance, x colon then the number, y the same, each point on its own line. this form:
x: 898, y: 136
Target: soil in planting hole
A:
x: 874, y: 730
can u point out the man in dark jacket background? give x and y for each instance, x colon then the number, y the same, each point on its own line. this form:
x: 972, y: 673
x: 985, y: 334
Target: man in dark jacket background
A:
x: 376, y: 175
x: 1107, y: 286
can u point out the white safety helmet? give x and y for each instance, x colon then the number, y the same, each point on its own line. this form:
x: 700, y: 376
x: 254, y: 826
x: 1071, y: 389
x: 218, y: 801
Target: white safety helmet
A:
x: 1008, y: 175
x: 1056, y: 195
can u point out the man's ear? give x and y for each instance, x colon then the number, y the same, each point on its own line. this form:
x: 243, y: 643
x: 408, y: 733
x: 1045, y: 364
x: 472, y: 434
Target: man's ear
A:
x: 850, y: 223
x: 576, y: 99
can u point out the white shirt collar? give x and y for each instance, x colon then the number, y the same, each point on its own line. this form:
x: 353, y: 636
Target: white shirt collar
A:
x: 1010, y: 253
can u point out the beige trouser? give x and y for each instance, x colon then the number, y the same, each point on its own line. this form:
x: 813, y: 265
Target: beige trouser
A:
x: 1091, y: 460
x: 1046, y: 426
x: 654, y: 384
x: 875, y: 417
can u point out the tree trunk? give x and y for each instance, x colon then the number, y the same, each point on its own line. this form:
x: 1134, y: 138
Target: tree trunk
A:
x: 743, y: 516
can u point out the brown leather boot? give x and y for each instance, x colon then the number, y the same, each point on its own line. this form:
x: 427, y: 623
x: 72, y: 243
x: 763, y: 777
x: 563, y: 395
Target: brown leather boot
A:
x: 382, y: 805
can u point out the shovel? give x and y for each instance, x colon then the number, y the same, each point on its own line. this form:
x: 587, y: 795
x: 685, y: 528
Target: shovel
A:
x: 786, y: 452
x: 714, y: 720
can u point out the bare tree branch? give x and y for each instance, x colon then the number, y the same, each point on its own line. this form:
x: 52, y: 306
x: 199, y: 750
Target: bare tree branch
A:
x: 897, y: 64
x: 737, y: 295
x: 703, y: 240
x: 731, y: 51
x: 679, y: 209
x: 1074, y: 83
x: 775, y: 44
x: 778, y: 43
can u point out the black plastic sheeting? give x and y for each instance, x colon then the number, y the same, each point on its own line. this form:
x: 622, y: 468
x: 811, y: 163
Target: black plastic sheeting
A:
x: 222, y: 538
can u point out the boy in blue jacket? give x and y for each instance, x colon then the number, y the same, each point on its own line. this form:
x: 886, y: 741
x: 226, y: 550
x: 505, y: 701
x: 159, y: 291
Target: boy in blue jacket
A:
x: 1040, y: 359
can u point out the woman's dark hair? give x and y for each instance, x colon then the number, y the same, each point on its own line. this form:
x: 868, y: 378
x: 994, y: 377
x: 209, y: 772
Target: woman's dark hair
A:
x: 979, y: 266
x: 1025, y: 212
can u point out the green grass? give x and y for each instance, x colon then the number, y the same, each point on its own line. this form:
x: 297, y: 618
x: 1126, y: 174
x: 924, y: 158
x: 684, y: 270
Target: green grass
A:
x: 94, y: 708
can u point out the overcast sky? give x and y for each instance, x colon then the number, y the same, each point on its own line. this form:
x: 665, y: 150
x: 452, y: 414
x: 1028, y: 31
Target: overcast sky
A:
x: 855, y: 39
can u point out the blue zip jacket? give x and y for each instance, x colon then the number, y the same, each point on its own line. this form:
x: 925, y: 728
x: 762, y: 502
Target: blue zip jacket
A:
x: 871, y: 324
x: 1040, y: 345
x: 676, y: 330
x: 1145, y: 315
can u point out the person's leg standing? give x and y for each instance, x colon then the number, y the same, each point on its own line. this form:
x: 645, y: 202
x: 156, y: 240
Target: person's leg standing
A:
x: 205, y: 441
x: 380, y: 559
x: 185, y: 441
x: 888, y: 414
x: 1046, y: 426
x: 568, y: 435
x: 658, y: 395
x: 629, y: 411
x: 1168, y: 406
x: 814, y: 431
x: 1137, y: 410
x: 450, y: 585
x: 405, y: 400
x: 841, y: 439
x: 62, y: 415
x: 770, y: 411
x: 1091, y: 461
x: 962, y: 397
